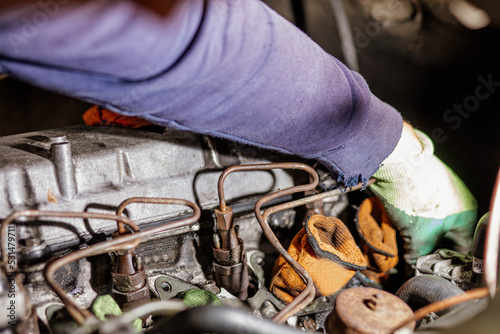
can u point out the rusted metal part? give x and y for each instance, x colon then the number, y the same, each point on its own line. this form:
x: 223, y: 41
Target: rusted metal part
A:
x: 367, y: 311
x: 124, y: 264
x: 117, y: 244
x: 309, y: 293
x: 209, y: 286
x: 306, y: 296
x: 130, y: 284
x: 234, y: 278
x: 57, y: 214
x: 130, y: 299
x: 309, y: 325
x: 224, y: 220
x: 230, y: 265
x: 74, y: 310
x: 255, y: 167
x: 315, y: 207
x: 144, y: 200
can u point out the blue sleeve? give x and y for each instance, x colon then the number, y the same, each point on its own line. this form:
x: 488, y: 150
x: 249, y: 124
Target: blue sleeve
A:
x: 228, y: 68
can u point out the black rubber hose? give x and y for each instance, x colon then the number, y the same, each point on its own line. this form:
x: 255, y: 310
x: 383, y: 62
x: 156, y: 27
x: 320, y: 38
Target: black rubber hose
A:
x: 426, y: 289
x: 220, y: 320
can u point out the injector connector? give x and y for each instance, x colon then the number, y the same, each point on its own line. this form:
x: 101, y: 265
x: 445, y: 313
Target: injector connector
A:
x: 130, y: 285
x: 230, y: 267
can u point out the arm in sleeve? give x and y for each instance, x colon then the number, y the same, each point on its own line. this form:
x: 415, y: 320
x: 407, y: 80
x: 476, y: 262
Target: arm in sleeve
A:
x: 233, y: 69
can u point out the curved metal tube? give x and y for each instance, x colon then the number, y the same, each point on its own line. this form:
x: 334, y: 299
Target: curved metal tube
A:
x: 76, y: 312
x: 239, y: 168
x: 306, y: 296
x: 309, y: 293
x: 115, y: 244
x: 313, y: 198
x: 57, y: 214
x: 145, y: 200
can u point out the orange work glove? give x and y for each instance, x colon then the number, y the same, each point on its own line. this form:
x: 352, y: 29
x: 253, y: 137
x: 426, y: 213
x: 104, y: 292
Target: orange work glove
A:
x: 99, y: 116
x: 327, y: 251
x: 379, y: 239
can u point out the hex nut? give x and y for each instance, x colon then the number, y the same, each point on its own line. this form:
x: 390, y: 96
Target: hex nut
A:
x: 126, y: 282
x: 123, y: 298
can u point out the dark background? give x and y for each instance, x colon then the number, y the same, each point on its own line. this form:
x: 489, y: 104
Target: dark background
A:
x: 422, y: 65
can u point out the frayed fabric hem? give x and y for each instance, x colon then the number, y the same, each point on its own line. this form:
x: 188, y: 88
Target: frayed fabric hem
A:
x: 345, y: 180
x: 352, y: 180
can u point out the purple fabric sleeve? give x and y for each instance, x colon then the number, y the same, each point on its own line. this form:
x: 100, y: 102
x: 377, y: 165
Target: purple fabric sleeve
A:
x: 227, y: 68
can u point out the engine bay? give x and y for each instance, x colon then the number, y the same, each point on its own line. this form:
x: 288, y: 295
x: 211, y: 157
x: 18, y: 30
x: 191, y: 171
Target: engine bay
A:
x: 116, y: 230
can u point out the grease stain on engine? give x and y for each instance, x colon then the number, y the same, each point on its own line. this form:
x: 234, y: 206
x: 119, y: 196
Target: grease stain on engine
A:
x: 51, y: 197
